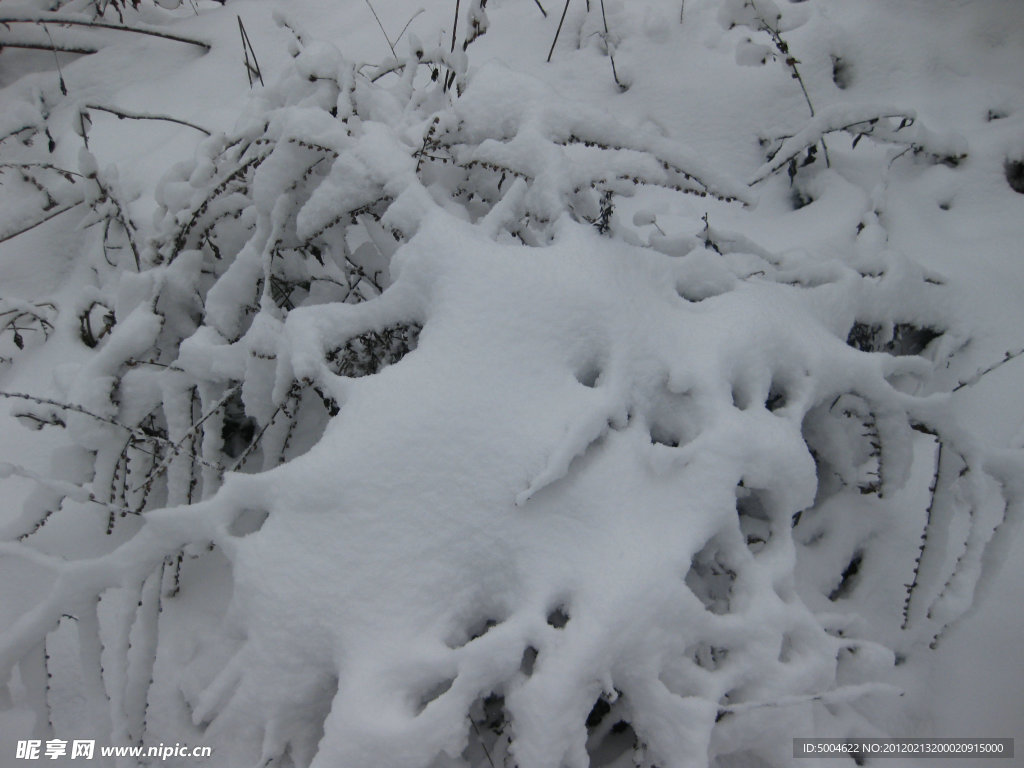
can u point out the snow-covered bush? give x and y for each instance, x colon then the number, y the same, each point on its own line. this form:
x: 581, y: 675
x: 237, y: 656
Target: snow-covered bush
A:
x: 885, y: 124
x: 474, y: 470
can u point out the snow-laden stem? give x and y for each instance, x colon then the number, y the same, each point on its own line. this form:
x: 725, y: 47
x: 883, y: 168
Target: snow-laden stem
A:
x: 63, y: 21
x: 122, y: 114
x: 50, y: 215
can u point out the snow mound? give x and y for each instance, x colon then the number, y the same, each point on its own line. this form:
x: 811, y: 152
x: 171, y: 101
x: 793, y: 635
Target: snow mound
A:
x: 488, y: 475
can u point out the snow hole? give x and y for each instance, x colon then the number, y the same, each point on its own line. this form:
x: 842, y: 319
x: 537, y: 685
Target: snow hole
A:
x: 589, y: 374
x: 755, y: 521
x: 248, y: 521
x: 902, y: 339
x: 710, y: 579
x: 1014, y: 170
x: 671, y: 422
x: 559, y: 617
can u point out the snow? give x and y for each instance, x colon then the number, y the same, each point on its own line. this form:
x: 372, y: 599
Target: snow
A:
x: 655, y: 421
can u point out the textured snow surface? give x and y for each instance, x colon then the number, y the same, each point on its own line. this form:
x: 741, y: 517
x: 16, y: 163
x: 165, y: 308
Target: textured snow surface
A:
x: 535, y: 420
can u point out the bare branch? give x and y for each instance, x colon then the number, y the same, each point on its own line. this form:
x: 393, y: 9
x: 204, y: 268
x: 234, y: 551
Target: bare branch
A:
x: 64, y: 22
x: 121, y: 114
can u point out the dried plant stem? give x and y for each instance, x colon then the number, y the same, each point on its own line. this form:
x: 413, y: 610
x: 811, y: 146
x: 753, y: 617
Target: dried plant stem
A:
x: 559, y: 30
x: 121, y: 114
x: 137, y: 432
x: 1007, y: 357
x: 28, y: 227
x: 607, y: 45
x: 99, y: 25
x: 933, y: 494
x: 56, y: 60
x: 51, y: 47
x: 254, y: 68
x: 379, y: 24
x: 410, y: 21
x: 791, y: 63
x: 450, y: 77
x: 455, y: 25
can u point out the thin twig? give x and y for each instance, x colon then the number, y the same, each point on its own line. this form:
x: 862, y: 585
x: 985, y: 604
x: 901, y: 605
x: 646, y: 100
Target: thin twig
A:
x: 68, y: 490
x: 410, y: 21
x: 782, y: 46
x: 608, y: 47
x: 925, y: 534
x: 541, y: 8
x: 483, y: 746
x: 101, y: 25
x: 774, y: 164
x: 137, y: 432
x: 60, y: 74
x: 559, y: 30
x: 41, y: 47
x: 377, y: 18
x: 42, y: 166
x: 189, y: 433
x: 40, y: 222
x: 455, y: 25
x: 1007, y: 357
x: 254, y: 68
x: 121, y: 115
x: 121, y: 218
x: 450, y: 77
x: 18, y: 131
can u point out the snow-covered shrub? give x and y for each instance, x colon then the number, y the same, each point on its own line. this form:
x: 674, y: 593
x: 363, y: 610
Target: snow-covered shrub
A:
x: 492, y: 479
x: 883, y: 124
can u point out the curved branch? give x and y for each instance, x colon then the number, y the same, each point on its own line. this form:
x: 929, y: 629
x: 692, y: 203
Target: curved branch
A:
x: 100, y: 25
x: 121, y: 114
x: 41, y: 47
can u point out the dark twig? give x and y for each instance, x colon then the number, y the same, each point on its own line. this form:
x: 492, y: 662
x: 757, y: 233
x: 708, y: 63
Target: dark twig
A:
x: 39, y: 222
x: 121, y: 217
x: 559, y: 30
x: 450, y: 77
x: 68, y: 175
x: 100, y: 25
x: 382, y: 31
x: 56, y: 59
x: 122, y: 114
x: 483, y: 746
x: 137, y: 432
x: 51, y: 47
x: 782, y: 46
x: 254, y: 68
x: 455, y: 25
x: 608, y: 47
x: 410, y: 21
x: 1007, y: 357
x: 933, y: 497
x: 541, y: 8
x: 861, y: 128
